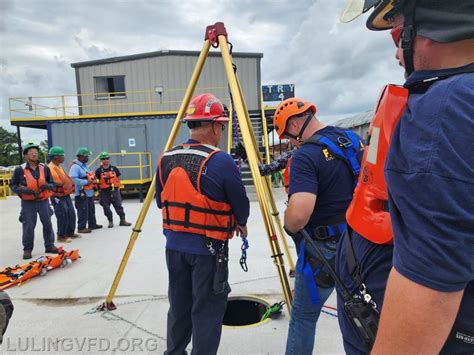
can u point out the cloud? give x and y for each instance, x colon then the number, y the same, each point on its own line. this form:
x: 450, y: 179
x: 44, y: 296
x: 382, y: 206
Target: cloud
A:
x: 340, y: 67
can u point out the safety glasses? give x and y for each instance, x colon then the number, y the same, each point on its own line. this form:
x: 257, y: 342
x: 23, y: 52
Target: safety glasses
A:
x: 396, y: 34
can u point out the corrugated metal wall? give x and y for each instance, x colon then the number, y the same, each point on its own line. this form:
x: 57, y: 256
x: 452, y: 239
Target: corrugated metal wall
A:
x: 104, y: 135
x: 173, y: 73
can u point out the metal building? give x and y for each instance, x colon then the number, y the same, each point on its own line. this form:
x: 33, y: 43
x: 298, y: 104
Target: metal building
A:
x: 127, y: 105
x: 156, y: 81
x: 358, y: 123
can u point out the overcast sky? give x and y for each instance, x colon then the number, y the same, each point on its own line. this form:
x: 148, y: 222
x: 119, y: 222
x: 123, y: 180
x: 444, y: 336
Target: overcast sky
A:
x: 339, y: 67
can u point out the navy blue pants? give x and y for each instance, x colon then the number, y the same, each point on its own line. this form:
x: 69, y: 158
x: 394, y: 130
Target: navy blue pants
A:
x: 85, y: 211
x: 375, y: 262
x: 65, y: 215
x: 111, y: 197
x: 194, y: 309
x: 28, y: 217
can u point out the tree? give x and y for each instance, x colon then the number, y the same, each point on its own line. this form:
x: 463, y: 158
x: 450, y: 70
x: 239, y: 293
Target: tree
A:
x: 43, y: 151
x: 8, y: 148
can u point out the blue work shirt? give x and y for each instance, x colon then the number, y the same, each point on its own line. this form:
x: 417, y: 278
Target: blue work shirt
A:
x: 18, y: 176
x: 221, y: 182
x: 430, y: 178
x: 315, y: 170
x: 78, y: 173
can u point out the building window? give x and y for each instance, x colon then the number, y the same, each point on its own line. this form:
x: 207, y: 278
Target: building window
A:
x: 109, y: 86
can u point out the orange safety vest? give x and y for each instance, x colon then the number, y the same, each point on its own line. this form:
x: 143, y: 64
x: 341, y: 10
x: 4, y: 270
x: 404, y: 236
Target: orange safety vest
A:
x: 59, y: 175
x: 368, y: 212
x: 90, y: 176
x: 286, y: 176
x: 109, y: 179
x: 185, y: 208
x: 35, y: 184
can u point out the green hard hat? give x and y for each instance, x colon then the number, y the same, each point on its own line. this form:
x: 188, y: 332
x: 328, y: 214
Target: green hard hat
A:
x: 83, y: 151
x: 56, y: 151
x: 28, y: 146
x: 104, y: 155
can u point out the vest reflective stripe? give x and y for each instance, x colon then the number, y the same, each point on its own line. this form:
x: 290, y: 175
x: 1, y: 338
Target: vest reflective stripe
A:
x: 286, y: 176
x: 34, y: 184
x: 184, y: 207
x: 90, y: 176
x: 109, y: 179
x: 367, y: 214
x: 59, y: 175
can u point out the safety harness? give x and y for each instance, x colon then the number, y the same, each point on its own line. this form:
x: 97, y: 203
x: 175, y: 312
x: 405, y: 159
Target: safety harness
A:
x: 314, y: 270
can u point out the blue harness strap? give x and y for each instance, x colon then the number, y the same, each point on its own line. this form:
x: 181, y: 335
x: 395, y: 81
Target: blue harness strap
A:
x: 302, y: 266
x: 351, y: 144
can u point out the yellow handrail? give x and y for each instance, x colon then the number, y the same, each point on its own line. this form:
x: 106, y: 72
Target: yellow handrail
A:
x: 5, y: 179
x: 72, y: 105
x: 140, y: 165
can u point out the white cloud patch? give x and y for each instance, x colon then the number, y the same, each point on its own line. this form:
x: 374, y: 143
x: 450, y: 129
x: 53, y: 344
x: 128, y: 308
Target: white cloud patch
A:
x: 340, y: 67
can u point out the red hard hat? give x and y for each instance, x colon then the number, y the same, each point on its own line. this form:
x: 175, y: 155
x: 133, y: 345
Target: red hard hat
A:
x: 206, y: 107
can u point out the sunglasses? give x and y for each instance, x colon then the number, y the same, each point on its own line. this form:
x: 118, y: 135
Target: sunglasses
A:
x: 396, y: 34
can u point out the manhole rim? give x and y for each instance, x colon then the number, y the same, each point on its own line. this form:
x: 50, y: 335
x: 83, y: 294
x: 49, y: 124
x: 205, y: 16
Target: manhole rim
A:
x: 259, y: 299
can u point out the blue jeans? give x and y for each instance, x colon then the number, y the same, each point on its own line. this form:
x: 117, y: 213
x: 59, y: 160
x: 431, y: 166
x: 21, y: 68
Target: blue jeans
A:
x: 304, y: 315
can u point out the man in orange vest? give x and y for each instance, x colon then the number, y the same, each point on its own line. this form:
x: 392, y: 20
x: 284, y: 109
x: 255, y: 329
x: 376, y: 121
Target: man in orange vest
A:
x: 412, y: 245
x: 61, y: 200
x: 85, y: 186
x: 203, y: 202
x: 33, y: 183
x: 109, y: 185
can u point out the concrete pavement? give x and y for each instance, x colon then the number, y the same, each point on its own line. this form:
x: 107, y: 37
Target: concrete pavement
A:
x: 50, y: 311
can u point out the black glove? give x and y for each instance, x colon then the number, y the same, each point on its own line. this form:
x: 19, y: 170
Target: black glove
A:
x: 25, y: 190
x: 240, y: 151
x: 49, y: 187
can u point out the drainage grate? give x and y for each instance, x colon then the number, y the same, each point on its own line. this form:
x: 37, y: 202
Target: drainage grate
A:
x: 244, y: 310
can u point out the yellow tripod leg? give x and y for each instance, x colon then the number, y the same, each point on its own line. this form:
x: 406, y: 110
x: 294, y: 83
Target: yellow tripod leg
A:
x: 151, y: 192
x: 252, y: 156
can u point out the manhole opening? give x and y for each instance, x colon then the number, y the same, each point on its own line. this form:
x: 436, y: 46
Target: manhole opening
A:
x: 244, y: 311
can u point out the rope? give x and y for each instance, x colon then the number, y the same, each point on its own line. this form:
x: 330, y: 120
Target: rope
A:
x: 243, y: 258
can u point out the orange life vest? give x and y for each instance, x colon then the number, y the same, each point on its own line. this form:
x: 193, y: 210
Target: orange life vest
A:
x: 286, y: 176
x: 59, y: 175
x: 184, y: 207
x: 35, y: 184
x: 109, y: 179
x: 90, y: 176
x: 368, y: 212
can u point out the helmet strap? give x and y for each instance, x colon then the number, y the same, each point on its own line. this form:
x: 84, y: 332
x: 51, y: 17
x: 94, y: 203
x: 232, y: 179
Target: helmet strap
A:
x: 299, y: 138
x: 408, y: 34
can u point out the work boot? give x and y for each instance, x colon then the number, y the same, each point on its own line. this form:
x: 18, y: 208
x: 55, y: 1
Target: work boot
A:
x: 125, y: 223
x: 27, y: 254
x: 97, y: 226
x: 111, y: 224
x: 84, y: 230
x: 52, y: 249
x: 73, y: 236
x: 64, y: 239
